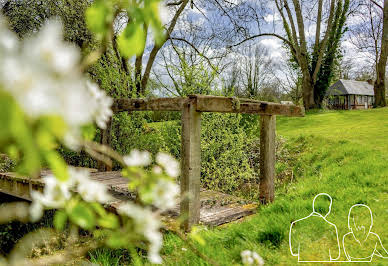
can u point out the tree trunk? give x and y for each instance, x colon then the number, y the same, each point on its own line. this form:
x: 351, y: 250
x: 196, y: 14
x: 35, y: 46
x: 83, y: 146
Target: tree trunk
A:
x: 308, y: 91
x: 379, y: 87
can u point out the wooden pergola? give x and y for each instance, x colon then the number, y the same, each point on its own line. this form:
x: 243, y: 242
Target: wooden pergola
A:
x: 191, y: 108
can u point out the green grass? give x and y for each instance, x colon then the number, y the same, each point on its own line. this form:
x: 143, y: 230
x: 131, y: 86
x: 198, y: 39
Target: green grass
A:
x: 108, y: 257
x: 345, y: 155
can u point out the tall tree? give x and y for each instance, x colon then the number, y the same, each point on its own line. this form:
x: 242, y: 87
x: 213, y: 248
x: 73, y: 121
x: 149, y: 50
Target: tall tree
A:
x: 366, y: 30
x: 309, y: 60
x: 331, y: 57
x: 379, y: 86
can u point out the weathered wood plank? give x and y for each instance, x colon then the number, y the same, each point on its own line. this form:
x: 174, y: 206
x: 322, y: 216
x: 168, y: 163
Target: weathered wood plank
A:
x: 208, y: 104
x: 19, y: 186
x: 190, y: 164
x: 267, y: 158
x: 216, y: 208
x: 157, y: 104
x: 246, y: 106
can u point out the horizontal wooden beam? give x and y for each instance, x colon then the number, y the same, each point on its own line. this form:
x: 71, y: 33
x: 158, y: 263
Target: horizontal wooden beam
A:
x: 245, y: 106
x: 19, y: 186
x: 208, y: 104
x: 157, y: 104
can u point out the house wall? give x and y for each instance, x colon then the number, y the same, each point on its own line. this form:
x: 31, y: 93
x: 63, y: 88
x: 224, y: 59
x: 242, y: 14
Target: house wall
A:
x: 344, y: 102
x: 360, y: 101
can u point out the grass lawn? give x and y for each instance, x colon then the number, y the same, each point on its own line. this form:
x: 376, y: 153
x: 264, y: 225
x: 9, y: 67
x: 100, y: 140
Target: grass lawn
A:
x: 345, y: 155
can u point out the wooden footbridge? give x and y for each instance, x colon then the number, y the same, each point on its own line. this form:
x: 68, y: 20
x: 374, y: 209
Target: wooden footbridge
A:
x: 202, y: 206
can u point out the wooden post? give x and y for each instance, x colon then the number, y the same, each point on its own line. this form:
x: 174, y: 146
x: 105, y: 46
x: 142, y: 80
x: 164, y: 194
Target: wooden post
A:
x: 191, y: 164
x: 267, y: 158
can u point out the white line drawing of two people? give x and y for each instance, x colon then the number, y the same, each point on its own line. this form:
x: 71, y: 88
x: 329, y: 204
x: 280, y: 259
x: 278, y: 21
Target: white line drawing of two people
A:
x: 360, y: 244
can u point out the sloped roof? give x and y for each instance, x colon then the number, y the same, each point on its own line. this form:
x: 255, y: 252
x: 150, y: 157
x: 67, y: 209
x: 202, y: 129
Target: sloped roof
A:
x: 345, y: 87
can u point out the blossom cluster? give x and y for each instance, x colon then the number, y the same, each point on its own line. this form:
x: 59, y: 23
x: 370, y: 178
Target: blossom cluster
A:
x: 251, y: 258
x: 57, y: 193
x: 147, y: 225
x: 42, y: 73
x: 163, y: 192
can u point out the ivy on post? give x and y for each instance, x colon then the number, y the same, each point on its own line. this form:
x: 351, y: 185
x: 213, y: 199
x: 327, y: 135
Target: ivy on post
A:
x: 267, y: 158
x: 190, y: 164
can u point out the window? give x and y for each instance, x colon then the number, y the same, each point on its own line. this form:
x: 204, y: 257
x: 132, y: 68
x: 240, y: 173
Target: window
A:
x: 359, y: 99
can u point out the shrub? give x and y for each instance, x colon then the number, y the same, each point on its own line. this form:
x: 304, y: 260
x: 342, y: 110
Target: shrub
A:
x: 230, y: 148
x: 225, y: 162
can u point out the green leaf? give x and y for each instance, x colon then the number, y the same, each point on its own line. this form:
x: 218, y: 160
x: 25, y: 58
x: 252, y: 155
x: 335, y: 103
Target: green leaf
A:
x: 57, y: 164
x: 55, y: 125
x: 109, y: 221
x: 13, y: 152
x: 98, y: 17
x: 16, y: 132
x: 88, y: 132
x: 82, y: 216
x: 45, y: 139
x: 98, y: 208
x: 116, y: 240
x: 132, y: 40
x: 60, y: 219
x: 151, y: 11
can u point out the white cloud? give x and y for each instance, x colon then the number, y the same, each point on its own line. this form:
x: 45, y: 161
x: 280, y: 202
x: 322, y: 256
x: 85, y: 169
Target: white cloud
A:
x: 271, y: 43
x: 310, y: 31
x: 274, y: 47
x: 272, y: 18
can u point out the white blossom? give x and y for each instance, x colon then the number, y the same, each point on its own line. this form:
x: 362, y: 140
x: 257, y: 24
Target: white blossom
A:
x: 251, y: 258
x: 42, y: 73
x: 90, y: 190
x: 36, y: 211
x: 165, y: 194
x: 72, y: 139
x: 56, y: 192
x: 54, y: 196
x: 157, y: 170
x: 138, y: 158
x: 51, y: 50
x: 170, y: 165
x: 257, y: 259
x: 146, y: 224
x: 8, y: 40
x: 104, y: 112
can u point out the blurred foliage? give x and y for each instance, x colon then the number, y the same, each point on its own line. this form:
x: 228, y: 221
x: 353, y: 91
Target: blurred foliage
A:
x: 27, y: 16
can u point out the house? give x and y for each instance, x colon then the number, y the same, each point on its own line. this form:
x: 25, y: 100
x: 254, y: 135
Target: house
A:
x: 350, y: 94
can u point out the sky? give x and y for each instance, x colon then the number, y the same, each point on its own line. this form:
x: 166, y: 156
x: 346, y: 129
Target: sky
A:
x: 270, y: 21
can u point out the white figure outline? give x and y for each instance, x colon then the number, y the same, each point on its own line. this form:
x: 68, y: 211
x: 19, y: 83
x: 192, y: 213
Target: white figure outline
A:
x: 375, y: 252
x: 324, y: 218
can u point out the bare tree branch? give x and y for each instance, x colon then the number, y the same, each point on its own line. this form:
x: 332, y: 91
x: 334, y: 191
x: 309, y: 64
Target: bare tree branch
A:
x: 174, y: 3
x: 196, y: 50
x: 156, y: 48
x: 261, y: 35
x: 377, y: 4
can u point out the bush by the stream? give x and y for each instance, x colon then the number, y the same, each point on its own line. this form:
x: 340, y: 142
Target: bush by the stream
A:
x: 230, y: 148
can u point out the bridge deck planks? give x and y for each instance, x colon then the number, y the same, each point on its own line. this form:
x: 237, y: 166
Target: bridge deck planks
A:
x: 216, y: 208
